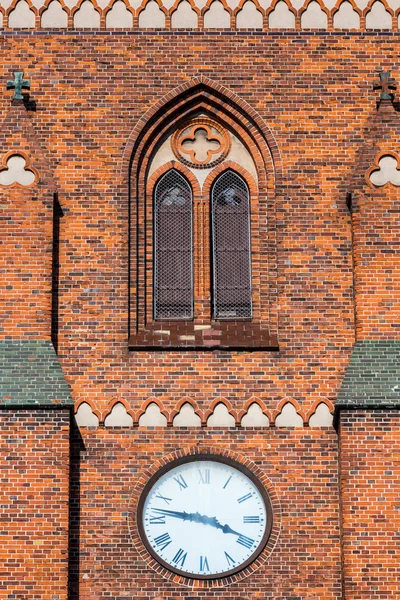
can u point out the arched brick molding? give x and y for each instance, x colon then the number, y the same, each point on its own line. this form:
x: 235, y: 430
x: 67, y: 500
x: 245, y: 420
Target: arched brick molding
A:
x: 199, y: 96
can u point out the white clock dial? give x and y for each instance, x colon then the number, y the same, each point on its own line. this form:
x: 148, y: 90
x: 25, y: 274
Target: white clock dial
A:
x: 205, y: 518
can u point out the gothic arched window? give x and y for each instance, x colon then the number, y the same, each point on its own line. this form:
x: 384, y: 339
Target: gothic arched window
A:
x: 173, y: 247
x: 230, y: 216
x: 202, y: 263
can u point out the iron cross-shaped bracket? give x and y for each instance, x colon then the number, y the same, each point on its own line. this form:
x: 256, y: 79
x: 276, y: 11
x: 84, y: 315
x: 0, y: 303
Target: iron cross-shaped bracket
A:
x: 385, y: 84
x: 18, y: 85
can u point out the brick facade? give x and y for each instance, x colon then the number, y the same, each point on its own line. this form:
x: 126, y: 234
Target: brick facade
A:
x: 34, y: 500
x: 303, y: 558
x: 101, y: 103
x: 370, y: 493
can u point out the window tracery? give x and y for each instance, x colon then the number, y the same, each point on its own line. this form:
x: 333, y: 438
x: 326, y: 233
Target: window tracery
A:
x: 232, y: 289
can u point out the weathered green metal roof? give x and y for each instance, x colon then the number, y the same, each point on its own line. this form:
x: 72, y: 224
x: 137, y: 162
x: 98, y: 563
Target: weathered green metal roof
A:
x: 31, y: 375
x: 373, y: 376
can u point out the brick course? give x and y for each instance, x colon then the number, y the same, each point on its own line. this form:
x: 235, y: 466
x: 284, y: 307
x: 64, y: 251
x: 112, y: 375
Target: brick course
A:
x: 298, y: 467
x: 34, y: 495
x: 369, y: 442
x: 308, y: 100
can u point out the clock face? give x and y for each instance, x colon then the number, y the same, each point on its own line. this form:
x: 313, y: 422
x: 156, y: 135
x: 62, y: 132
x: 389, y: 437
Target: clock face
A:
x: 204, y: 517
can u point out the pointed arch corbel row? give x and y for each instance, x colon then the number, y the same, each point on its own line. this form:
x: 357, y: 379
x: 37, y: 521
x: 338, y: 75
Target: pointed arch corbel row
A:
x: 199, y: 96
x: 254, y: 400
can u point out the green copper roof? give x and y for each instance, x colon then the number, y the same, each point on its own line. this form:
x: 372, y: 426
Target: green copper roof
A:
x: 30, y: 374
x: 373, y: 375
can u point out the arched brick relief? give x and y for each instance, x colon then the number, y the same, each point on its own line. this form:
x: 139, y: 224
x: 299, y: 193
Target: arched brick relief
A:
x: 320, y: 414
x: 119, y: 414
x: 314, y: 15
x: 2, y: 17
x: 346, y: 15
x: 289, y: 414
x: 86, y: 414
x: 255, y: 414
x: 249, y: 15
x: 186, y: 414
x: 107, y: 412
x: 198, y: 97
x: 152, y: 15
x: 378, y: 15
x: 86, y: 15
x: 17, y: 170
x: 22, y: 15
x: 54, y: 15
x: 152, y: 414
x: 173, y: 164
x: 185, y: 15
x: 221, y: 414
x: 204, y: 87
x: 217, y: 15
x: 281, y: 15
x: 119, y: 15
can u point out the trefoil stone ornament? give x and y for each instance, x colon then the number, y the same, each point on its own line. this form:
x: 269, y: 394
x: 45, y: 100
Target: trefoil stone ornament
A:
x: 385, y: 84
x: 18, y: 85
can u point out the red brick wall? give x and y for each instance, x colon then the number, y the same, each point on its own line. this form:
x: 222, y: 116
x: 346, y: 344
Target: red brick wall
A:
x: 25, y: 264
x: 370, y: 472
x: 301, y: 88
x: 34, y: 472
x: 300, y: 467
x: 26, y: 214
x: 376, y: 230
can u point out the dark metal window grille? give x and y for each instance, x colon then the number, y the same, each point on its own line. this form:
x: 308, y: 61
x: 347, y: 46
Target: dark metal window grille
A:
x: 231, y: 247
x: 173, y: 255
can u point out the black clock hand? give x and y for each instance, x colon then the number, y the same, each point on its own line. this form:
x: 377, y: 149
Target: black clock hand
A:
x: 173, y: 513
x: 196, y: 518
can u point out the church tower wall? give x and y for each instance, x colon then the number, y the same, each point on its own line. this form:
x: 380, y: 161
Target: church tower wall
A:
x: 297, y: 107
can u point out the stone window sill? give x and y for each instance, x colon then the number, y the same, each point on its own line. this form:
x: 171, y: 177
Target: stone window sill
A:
x: 232, y: 335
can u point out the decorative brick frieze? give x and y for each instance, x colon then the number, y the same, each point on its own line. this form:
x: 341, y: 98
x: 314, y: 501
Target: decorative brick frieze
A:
x: 348, y: 15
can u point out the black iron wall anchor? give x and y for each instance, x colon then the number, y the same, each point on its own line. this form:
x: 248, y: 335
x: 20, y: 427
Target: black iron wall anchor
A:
x: 385, y: 84
x: 18, y: 85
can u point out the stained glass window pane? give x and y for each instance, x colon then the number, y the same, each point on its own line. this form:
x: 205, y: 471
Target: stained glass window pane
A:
x: 231, y: 247
x: 173, y: 256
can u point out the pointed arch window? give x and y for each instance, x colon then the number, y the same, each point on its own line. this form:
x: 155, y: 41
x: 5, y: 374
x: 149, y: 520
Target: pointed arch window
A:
x: 173, y: 245
x: 230, y: 218
x: 202, y: 258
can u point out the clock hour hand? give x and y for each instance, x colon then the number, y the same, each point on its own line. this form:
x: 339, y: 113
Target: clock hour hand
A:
x: 196, y: 518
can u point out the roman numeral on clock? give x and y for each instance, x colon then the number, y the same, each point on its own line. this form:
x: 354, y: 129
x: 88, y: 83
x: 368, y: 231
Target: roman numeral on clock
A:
x: 244, y: 498
x: 167, y: 500
x: 180, y: 557
x: 204, y: 476
x: 181, y: 482
x: 157, y: 520
x: 227, y: 481
x: 245, y: 541
x: 229, y: 559
x: 252, y: 519
x: 163, y: 541
x: 204, y: 563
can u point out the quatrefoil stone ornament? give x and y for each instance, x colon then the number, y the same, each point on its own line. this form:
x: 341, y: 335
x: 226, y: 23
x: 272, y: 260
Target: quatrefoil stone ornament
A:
x: 201, y: 143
